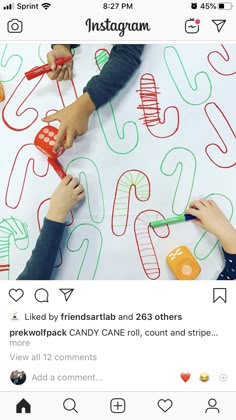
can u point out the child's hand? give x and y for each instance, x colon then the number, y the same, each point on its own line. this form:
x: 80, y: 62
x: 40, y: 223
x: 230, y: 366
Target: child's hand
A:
x: 211, y: 218
x: 73, y: 121
x: 59, y: 73
x: 68, y: 193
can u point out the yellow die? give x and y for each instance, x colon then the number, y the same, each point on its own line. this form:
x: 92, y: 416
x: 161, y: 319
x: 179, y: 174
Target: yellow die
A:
x: 183, y: 264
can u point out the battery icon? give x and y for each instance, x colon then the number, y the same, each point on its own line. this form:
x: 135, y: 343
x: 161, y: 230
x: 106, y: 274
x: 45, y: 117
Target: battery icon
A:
x: 225, y: 6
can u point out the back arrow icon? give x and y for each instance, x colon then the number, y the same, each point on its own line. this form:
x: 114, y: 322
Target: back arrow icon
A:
x: 219, y: 24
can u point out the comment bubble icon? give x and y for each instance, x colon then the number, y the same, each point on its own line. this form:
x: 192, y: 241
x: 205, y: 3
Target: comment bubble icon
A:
x: 42, y: 296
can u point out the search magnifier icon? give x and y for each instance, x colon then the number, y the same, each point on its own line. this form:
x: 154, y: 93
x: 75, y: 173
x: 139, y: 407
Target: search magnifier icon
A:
x: 70, y: 405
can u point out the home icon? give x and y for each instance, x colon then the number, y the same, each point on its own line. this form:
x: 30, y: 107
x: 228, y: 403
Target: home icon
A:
x: 23, y: 406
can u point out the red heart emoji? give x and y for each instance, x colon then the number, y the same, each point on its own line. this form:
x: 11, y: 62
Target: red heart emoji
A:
x: 185, y: 376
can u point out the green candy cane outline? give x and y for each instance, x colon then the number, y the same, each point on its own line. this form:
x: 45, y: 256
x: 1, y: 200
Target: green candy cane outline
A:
x: 194, y: 86
x: 101, y: 60
x: 180, y: 163
x: 11, y: 228
x: 205, y: 233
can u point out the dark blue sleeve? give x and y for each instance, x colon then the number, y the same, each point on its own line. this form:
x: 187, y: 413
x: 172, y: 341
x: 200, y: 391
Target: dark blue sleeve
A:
x: 229, y: 272
x: 42, y: 260
x: 124, y: 59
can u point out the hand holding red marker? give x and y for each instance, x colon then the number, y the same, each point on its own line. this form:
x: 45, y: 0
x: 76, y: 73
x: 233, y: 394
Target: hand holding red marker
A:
x: 38, y: 71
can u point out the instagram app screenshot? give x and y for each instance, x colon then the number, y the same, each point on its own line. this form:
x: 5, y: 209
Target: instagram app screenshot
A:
x: 117, y: 167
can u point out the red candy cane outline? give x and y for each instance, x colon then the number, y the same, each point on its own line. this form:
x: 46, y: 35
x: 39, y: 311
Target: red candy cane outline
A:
x: 146, y: 250
x: 26, y: 86
x: 17, y: 176
x: 151, y: 110
x: 226, y: 59
x: 61, y: 94
x: 41, y: 210
x: 227, y: 130
x: 121, y: 203
x: 22, y: 149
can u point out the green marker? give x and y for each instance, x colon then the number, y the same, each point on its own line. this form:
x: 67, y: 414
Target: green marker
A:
x: 176, y: 219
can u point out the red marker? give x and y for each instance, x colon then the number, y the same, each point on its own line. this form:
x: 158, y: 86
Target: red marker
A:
x: 38, y: 71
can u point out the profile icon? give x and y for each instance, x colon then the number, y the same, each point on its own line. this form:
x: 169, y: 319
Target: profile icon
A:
x: 18, y: 377
x: 15, y: 316
x: 212, y: 406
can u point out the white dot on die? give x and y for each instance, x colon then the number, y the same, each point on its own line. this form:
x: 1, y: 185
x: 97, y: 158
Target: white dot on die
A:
x: 187, y: 269
x: 41, y: 136
x: 46, y: 139
x: 51, y: 134
x: 45, y: 130
x: 52, y: 142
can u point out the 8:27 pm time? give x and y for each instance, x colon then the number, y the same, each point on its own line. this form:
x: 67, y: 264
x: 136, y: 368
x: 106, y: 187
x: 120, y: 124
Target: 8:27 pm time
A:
x: 127, y: 6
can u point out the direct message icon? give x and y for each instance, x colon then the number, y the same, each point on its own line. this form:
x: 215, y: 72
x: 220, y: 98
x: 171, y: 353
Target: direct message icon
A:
x: 67, y: 293
x: 165, y: 405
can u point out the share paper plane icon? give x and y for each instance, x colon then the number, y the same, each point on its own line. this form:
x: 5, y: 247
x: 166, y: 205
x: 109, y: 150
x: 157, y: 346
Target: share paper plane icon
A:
x: 67, y: 293
x: 219, y: 24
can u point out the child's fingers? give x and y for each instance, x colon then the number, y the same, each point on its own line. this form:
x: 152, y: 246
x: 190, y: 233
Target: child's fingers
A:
x: 74, y: 182
x: 81, y: 196
x: 66, y: 180
x: 69, y: 140
x: 61, y: 75
x: 198, y: 223
x: 59, y: 138
x: 197, y: 204
x: 213, y: 203
x: 66, y: 74
x: 50, y: 118
x: 79, y: 189
x: 193, y: 212
x: 69, y: 73
x: 53, y: 75
x: 205, y: 203
x: 51, y: 59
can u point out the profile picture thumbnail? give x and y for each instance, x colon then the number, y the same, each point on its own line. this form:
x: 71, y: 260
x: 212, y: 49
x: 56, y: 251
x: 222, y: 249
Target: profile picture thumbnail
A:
x: 18, y: 377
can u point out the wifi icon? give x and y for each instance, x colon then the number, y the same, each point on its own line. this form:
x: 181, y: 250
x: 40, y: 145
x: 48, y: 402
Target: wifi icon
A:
x: 45, y: 5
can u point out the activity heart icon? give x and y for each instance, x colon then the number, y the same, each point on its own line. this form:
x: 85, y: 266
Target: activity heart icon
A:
x: 185, y: 376
x: 165, y: 405
x: 16, y: 294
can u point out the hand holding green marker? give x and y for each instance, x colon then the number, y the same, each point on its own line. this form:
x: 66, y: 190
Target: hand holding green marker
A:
x: 176, y: 219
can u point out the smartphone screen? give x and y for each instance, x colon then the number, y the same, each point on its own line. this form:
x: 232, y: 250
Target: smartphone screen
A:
x: 117, y: 200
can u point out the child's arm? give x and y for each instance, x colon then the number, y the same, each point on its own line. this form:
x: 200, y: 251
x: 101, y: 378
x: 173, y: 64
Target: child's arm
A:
x: 211, y: 218
x: 123, y: 61
x: 42, y: 260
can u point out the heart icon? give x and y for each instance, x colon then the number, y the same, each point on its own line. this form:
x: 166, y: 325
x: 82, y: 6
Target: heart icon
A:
x: 16, y: 294
x: 165, y: 405
x: 185, y: 376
